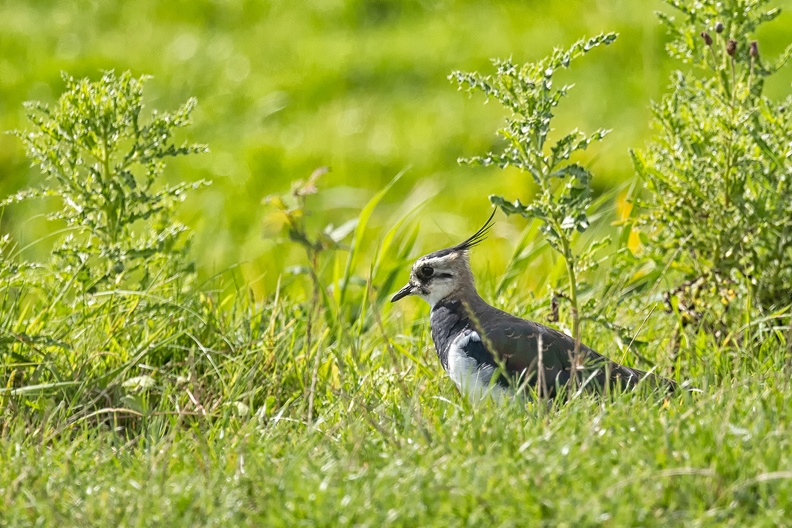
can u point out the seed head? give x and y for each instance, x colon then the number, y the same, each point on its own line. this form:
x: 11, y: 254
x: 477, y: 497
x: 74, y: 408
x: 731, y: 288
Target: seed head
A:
x: 707, y: 38
x: 731, y: 47
x: 719, y: 27
x: 754, y: 49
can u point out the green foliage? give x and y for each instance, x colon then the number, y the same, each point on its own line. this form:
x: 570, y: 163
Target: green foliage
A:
x: 564, y: 197
x: 114, y: 302
x: 719, y: 214
x: 104, y: 161
x: 294, y: 214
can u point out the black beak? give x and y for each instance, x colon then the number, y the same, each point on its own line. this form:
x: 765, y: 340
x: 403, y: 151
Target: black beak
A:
x: 404, y: 292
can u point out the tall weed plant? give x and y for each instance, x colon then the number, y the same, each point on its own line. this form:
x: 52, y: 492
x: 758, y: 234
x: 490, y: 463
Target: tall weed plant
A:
x: 103, y: 161
x: 561, y: 206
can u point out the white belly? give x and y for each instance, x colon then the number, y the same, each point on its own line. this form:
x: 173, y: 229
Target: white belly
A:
x: 473, y: 380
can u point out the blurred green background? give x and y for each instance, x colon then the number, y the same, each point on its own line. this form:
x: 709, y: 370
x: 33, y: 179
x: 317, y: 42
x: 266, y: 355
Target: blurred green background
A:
x: 360, y: 86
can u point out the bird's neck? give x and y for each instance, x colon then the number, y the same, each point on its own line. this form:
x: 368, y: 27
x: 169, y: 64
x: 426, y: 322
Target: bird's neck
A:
x: 452, y: 314
x: 448, y: 317
x: 464, y: 292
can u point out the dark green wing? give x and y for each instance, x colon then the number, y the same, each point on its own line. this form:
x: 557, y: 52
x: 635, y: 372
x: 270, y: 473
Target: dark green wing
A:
x: 515, y: 342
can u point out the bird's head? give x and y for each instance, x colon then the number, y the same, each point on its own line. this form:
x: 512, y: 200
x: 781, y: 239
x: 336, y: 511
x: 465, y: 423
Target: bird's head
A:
x: 439, y: 274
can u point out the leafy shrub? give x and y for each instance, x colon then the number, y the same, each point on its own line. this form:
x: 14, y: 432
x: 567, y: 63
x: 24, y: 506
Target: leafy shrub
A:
x: 103, y: 162
x: 719, y: 171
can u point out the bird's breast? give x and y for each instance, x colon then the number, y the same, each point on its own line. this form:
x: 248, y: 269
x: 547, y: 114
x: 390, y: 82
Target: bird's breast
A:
x: 472, y: 377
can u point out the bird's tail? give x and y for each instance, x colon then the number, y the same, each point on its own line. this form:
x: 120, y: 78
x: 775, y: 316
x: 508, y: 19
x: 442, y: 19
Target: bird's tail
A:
x: 632, y: 377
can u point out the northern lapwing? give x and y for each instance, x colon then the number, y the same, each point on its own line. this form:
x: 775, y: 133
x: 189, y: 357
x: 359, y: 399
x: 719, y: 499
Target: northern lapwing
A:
x: 485, y: 350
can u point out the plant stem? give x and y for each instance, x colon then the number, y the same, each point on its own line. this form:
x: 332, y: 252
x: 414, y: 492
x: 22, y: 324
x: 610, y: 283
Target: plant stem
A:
x: 730, y: 132
x: 109, y: 205
x: 788, y: 362
x: 313, y: 257
x: 569, y: 259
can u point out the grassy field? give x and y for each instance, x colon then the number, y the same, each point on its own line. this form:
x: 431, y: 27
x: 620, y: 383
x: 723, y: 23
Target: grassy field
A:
x: 254, y: 391
x: 406, y: 452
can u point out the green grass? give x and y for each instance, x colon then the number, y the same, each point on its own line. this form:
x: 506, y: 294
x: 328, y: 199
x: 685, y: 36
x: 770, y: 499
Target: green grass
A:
x: 244, y: 422
x: 403, y: 450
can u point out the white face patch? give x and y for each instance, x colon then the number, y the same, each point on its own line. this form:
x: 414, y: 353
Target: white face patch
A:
x: 472, y: 379
x: 439, y: 289
x: 443, y: 281
x: 443, y: 262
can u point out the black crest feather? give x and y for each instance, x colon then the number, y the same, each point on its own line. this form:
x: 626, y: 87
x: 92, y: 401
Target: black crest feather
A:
x: 478, y: 236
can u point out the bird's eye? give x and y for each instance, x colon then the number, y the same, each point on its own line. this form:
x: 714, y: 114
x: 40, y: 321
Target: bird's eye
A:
x: 426, y: 271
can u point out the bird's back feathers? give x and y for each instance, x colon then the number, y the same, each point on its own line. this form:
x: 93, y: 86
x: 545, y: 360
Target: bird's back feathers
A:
x: 512, y: 344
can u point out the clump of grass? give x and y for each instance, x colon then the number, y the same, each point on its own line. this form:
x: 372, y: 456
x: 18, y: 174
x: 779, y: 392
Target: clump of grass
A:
x: 91, y: 327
